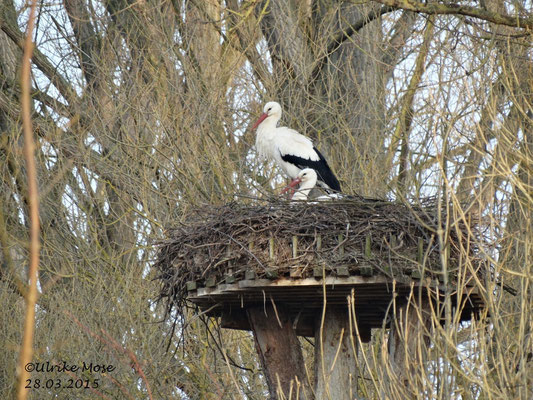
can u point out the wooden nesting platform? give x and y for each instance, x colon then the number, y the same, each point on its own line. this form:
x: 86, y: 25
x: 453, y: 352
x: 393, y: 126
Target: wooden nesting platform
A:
x: 303, y: 298
x: 229, y: 258
x: 281, y: 269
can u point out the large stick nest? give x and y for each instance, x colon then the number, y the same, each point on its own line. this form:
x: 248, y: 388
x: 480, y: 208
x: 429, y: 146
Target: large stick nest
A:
x: 217, y: 242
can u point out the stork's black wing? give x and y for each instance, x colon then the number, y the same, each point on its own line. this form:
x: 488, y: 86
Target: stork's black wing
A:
x: 323, y: 171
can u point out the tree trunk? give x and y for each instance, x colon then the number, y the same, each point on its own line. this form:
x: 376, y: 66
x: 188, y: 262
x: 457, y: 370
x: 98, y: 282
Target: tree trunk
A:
x: 279, y: 352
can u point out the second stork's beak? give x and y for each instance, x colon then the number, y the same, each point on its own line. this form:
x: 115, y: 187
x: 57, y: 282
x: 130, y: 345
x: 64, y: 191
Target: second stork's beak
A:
x: 294, y: 182
x: 261, y: 119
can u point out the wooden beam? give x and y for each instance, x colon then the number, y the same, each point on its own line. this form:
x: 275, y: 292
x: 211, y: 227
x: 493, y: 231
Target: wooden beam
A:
x: 279, y: 352
x: 335, y: 356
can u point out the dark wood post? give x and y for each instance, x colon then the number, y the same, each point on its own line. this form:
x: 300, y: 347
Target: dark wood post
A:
x: 280, y: 352
x: 335, y: 356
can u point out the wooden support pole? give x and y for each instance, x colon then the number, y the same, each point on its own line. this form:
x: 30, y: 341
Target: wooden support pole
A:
x: 420, y: 257
x: 271, y: 248
x: 335, y: 356
x: 408, y: 343
x: 341, y: 245
x: 368, y: 246
x: 279, y: 352
x: 228, y: 256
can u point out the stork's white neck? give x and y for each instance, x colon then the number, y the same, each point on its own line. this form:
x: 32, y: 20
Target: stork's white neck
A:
x: 269, y: 123
x: 265, y: 136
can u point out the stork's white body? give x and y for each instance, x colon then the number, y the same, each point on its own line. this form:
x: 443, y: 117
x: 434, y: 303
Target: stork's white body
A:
x: 291, y: 150
x: 272, y: 142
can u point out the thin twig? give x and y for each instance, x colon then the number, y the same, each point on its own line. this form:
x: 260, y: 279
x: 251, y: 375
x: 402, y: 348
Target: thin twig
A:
x: 26, y: 351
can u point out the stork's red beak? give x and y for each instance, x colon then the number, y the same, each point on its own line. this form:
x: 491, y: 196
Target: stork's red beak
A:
x: 291, y: 185
x: 295, y: 181
x: 261, y: 119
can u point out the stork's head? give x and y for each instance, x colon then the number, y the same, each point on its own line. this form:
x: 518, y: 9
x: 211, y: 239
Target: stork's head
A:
x: 307, y: 178
x: 271, y: 109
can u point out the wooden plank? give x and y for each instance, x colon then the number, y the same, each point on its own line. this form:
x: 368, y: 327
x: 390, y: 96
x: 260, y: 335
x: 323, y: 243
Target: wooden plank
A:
x: 364, y: 299
x: 211, y: 281
x: 296, y: 272
x: 249, y: 275
x: 271, y: 273
x: 201, y: 292
x: 312, y: 287
x: 343, y: 271
x: 330, y: 281
x: 227, y: 287
x: 366, y: 270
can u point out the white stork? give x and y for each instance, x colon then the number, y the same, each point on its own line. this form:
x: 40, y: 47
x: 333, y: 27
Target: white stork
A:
x: 307, y: 179
x: 292, y: 151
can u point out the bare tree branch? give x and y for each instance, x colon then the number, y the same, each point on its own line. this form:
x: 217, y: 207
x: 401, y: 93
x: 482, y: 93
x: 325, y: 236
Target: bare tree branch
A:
x: 345, y: 34
x: 41, y: 61
x: 403, y: 127
x: 458, y: 9
x: 26, y: 348
x: 86, y: 38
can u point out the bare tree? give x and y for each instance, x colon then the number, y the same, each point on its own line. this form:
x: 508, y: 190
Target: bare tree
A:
x: 141, y: 111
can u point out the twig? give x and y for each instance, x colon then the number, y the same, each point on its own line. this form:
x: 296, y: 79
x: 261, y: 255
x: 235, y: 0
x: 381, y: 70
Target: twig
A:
x: 26, y: 351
